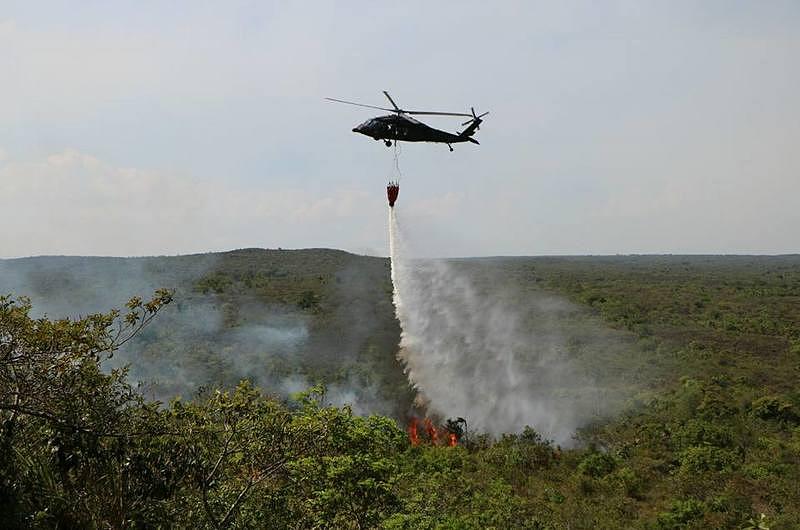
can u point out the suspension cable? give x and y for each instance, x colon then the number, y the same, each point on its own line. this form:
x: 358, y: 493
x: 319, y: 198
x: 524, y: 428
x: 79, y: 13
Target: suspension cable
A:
x: 398, y: 150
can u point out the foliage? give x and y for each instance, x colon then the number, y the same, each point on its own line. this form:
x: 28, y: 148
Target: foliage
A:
x: 681, y: 513
x: 703, y: 458
x: 597, y: 465
x: 774, y: 407
x: 706, y: 436
x: 67, y: 426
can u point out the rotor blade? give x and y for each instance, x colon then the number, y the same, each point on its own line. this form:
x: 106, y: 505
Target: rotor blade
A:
x: 475, y: 118
x: 423, y: 112
x: 359, y: 104
x: 392, y: 101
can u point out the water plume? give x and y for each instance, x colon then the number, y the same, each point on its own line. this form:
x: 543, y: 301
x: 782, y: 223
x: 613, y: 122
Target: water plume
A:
x: 470, y: 350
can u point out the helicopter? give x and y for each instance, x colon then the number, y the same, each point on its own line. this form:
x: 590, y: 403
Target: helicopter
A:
x: 400, y: 126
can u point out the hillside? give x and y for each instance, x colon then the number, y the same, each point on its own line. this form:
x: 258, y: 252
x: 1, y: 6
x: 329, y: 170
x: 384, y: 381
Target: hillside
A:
x: 696, y: 359
x: 285, y: 319
x: 289, y: 318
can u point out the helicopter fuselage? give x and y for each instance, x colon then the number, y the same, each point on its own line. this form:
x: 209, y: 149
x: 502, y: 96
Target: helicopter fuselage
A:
x: 399, y: 127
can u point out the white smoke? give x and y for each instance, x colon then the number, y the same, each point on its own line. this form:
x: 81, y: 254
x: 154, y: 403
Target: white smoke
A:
x: 475, y: 354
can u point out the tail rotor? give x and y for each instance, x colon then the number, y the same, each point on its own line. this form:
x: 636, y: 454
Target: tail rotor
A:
x: 475, y: 118
x: 472, y: 125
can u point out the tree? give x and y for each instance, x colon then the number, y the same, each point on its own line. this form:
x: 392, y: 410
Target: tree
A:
x: 81, y: 448
x: 67, y: 425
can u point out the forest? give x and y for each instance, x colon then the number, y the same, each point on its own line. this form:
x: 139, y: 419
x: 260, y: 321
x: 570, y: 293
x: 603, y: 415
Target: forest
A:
x: 260, y: 389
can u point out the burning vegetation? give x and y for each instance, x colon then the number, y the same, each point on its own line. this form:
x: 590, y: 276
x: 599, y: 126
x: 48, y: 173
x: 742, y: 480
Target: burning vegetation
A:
x: 447, y: 435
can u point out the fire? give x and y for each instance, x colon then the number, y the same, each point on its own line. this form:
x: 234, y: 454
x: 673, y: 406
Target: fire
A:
x: 413, y: 437
x: 435, y: 435
x: 431, y: 430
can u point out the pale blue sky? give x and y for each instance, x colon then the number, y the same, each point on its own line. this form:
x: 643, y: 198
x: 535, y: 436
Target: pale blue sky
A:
x: 615, y: 127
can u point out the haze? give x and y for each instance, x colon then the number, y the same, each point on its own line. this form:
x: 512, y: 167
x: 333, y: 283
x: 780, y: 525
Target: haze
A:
x: 615, y: 127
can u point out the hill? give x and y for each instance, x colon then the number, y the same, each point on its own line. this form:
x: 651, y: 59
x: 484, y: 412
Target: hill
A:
x: 696, y: 356
x: 285, y: 319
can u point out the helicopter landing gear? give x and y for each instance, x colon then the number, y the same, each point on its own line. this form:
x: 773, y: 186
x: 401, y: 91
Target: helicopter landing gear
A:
x: 451, y: 147
x: 388, y: 143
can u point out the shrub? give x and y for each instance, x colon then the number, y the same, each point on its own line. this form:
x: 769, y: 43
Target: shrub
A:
x: 699, y: 432
x: 700, y: 459
x: 681, y: 513
x: 715, y: 405
x: 597, y: 465
x: 216, y: 282
x: 631, y: 483
x: 773, y: 407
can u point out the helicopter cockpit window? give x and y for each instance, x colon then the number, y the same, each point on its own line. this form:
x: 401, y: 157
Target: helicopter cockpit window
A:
x: 376, y: 125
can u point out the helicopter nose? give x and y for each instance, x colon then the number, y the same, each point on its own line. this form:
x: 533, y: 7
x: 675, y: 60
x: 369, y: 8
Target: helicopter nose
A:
x: 362, y: 128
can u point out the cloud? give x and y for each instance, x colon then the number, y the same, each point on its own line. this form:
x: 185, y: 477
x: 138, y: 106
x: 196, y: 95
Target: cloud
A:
x: 74, y: 203
x: 615, y: 128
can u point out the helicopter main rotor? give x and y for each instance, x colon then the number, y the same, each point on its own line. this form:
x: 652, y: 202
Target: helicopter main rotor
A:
x: 398, y: 110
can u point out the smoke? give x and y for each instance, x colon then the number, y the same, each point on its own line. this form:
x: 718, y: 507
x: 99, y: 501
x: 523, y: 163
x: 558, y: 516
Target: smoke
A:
x: 500, y: 357
x: 362, y: 399
x: 207, y: 339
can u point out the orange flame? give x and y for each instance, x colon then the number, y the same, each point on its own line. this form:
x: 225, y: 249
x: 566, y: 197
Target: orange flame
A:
x: 431, y: 430
x: 413, y: 437
x: 435, y: 435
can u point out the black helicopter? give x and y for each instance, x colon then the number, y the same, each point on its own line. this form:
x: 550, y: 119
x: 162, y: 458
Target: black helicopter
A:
x: 400, y: 126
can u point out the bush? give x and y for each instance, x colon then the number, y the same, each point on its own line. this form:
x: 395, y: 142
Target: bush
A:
x: 773, y: 407
x: 631, y: 483
x: 715, y: 405
x: 681, y: 513
x: 215, y: 282
x: 698, y: 432
x: 597, y: 465
x: 703, y: 458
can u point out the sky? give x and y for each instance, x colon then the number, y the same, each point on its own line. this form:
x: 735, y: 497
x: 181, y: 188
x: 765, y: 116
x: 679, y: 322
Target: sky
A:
x: 153, y: 128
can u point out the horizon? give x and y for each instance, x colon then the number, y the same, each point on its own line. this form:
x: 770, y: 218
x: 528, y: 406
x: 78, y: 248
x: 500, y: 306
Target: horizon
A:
x: 497, y: 256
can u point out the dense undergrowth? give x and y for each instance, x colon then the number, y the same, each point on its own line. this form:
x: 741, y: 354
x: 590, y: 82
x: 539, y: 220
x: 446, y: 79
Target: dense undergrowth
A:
x: 711, y: 439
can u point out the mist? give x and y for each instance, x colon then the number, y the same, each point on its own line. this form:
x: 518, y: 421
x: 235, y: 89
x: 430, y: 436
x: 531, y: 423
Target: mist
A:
x: 208, y: 339
x: 495, y: 353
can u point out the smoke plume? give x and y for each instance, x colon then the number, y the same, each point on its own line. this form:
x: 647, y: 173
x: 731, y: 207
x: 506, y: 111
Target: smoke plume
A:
x: 498, y: 359
x: 208, y: 339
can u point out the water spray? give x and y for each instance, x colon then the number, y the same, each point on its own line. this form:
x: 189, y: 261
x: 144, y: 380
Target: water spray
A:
x: 472, y: 349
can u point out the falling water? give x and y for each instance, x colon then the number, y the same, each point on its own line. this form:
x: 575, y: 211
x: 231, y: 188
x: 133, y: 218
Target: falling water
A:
x: 468, y: 353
